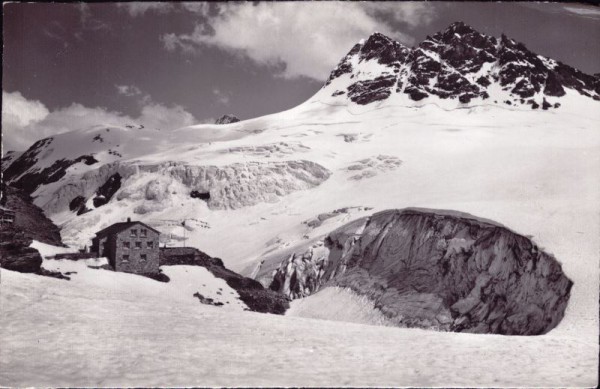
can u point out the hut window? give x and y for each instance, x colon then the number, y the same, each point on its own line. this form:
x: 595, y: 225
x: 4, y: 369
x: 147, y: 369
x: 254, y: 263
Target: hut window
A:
x: 126, y: 258
x: 126, y: 245
x: 143, y: 232
x: 143, y: 257
x: 150, y: 244
x: 133, y: 232
x: 138, y: 245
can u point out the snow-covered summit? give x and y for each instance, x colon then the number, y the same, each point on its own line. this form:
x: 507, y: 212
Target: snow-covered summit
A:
x: 458, y: 64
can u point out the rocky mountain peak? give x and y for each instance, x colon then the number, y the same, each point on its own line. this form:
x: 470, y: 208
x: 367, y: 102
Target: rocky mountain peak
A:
x: 508, y: 43
x: 383, y: 48
x: 226, y: 119
x: 458, y: 63
x: 460, y: 27
x: 460, y: 36
x: 456, y: 30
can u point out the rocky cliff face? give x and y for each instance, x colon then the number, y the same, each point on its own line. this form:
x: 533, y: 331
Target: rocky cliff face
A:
x: 458, y: 63
x: 30, y: 223
x: 437, y: 269
x: 29, y: 219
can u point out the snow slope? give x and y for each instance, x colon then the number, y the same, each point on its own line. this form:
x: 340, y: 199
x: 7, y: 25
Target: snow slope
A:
x: 534, y: 171
x: 131, y: 338
x: 340, y: 304
x: 184, y: 282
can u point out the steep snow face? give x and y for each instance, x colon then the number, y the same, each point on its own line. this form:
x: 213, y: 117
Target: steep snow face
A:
x: 437, y: 269
x: 456, y: 66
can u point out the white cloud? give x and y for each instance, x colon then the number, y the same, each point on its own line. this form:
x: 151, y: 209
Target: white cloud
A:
x: 201, y: 8
x: 25, y: 121
x: 297, y: 39
x: 412, y: 13
x: 222, y: 97
x: 135, y: 92
x: 140, y: 8
x: 17, y: 113
x: 128, y: 90
x: 589, y: 12
x: 165, y: 118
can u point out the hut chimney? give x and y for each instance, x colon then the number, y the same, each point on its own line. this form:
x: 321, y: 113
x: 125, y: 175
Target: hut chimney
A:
x: 128, y: 220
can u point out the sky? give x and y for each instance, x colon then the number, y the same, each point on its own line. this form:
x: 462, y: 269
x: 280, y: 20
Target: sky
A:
x: 169, y: 65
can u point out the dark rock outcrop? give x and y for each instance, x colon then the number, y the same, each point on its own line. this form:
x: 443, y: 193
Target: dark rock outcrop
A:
x: 107, y: 190
x: 438, y: 269
x: 29, y: 219
x: 226, y: 119
x: 207, y: 300
x: 365, y: 92
x: 15, y: 253
x: 251, y: 292
x: 8, y: 158
x: 78, y: 205
x: 30, y: 223
x: 200, y: 195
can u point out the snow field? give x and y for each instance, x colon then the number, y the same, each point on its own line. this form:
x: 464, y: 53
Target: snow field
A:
x: 119, y: 340
x: 532, y: 171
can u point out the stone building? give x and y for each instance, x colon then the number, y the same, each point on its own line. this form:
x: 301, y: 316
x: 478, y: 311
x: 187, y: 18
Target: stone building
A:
x: 130, y: 247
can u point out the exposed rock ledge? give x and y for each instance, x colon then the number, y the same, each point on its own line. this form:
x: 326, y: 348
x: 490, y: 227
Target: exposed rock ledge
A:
x: 436, y: 269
